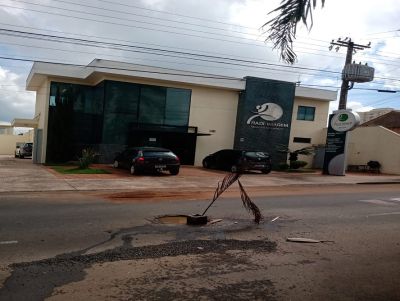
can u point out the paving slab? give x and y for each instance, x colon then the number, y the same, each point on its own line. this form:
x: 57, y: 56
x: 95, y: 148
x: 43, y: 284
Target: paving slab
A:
x: 21, y: 175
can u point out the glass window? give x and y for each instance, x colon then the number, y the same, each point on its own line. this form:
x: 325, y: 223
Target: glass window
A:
x: 301, y: 140
x: 75, y: 119
x: 306, y: 113
x: 107, y: 115
x: 120, y: 111
x: 152, y: 105
x: 122, y: 98
x: 177, y: 107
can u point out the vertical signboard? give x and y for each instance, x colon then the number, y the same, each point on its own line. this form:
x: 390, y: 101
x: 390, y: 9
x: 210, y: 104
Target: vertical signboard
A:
x: 264, y: 116
x: 340, y: 122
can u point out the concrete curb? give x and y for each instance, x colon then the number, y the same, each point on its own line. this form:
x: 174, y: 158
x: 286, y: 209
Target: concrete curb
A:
x: 199, y: 188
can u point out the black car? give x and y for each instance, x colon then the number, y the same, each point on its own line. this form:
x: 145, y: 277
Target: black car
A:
x: 148, y: 159
x: 24, y: 150
x: 238, y: 161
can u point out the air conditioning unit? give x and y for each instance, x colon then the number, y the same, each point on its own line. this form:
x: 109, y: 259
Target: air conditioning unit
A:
x: 358, y: 73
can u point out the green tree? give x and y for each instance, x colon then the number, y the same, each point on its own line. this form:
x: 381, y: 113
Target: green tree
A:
x: 282, y: 28
x: 294, y: 154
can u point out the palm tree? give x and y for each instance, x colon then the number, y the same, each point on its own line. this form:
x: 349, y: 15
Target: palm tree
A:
x: 282, y: 29
x: 294, y: 154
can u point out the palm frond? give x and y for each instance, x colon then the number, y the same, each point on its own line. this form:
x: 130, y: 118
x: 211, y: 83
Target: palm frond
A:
x: 282, y: 31
x: 309, y: 150
x: 222, y: 186
x: 249, y: 205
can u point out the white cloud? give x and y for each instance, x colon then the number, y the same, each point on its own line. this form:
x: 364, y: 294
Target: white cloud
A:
x: 14, y: 101
x: 361, y: 20
x: 359, y: 107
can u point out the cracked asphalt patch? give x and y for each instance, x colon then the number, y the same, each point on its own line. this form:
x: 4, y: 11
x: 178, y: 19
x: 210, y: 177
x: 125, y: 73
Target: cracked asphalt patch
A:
x: 38, y: 279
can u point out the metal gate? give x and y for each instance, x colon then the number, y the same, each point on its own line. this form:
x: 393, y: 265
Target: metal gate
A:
x: 37, y: 146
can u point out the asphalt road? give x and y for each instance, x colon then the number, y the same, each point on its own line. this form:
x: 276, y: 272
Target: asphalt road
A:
x: 69, y: 245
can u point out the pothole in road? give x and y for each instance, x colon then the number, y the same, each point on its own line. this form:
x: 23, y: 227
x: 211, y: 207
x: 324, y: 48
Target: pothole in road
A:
x: 195, y: 219
x: 171, y: 219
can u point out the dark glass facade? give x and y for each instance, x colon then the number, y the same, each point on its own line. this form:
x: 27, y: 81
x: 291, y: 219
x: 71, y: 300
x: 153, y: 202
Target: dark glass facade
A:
x: 113, y: 115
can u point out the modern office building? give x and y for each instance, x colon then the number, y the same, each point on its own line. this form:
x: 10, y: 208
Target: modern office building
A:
x: 110, y: 105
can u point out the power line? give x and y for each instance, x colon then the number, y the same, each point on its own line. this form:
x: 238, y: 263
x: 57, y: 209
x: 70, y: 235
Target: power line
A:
x: 263, y: 69
x: 160, y: 51
x: 145, y: 28
x: 140, y: 21
x: 175, y: 14
x: 124, y: 69
x: 151, y: 44
x: 138, y: 27
x: 158, y: 72
x: 157, y: 51
x: 389, y: 31
x: 135, y: 14
x: 171, y: 32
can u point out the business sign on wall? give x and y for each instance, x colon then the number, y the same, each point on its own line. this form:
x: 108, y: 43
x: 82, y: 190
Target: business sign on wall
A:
x: 339, y: 124
x: 264, y: 116
x: 267, y: 115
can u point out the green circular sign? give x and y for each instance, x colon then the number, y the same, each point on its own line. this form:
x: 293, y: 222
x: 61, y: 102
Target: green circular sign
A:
x: 343, y: 117
x: 345, y: 121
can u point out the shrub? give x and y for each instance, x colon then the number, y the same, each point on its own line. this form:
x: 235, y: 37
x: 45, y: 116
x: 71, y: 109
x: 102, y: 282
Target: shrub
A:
x: 374, y: 164
x: 88, y: 157
x: 297, y: 164
x: 283, y: 166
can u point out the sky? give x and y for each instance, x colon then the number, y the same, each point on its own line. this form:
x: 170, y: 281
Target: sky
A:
x: 224, y: 37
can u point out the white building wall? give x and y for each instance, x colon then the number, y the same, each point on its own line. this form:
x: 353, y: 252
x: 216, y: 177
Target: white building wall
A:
x: 6, y: 130
x: 309, y: 129
x: 41, y: 112
x: 376, y: 144
x: 8, y: 143
x: 213, y: 112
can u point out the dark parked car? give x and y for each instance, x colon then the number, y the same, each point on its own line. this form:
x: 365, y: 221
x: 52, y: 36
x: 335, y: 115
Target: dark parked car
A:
x: 148, y: 159
x: 238, y: 161
x: 24, y: 150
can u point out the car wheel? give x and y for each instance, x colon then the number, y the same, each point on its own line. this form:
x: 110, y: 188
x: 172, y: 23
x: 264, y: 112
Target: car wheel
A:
x: 174, y: 171
x: 21, y: 156
x: 266, y: 170
x: 132, y: 170
x: 234, y: 169
x: 205, y: 164
x: 116, y: 164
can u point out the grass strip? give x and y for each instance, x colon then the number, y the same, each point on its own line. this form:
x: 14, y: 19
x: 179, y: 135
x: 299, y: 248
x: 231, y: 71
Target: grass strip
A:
x: 78, y: 171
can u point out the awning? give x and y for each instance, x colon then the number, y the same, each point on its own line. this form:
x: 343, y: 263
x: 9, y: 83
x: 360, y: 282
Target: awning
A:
x: 25, y: 123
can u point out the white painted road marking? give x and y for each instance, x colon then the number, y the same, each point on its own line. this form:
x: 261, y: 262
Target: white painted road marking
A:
x: 395, y: 199
x: 378, y: 202
x: 8, y: 242
x: 382, y: 214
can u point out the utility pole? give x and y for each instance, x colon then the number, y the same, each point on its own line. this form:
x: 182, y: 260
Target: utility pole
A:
x: 343, y: 120
x: 351, y: 48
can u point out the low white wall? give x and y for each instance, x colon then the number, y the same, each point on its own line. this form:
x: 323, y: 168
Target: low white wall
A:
x: 377, y: 144
x: 8, y: 143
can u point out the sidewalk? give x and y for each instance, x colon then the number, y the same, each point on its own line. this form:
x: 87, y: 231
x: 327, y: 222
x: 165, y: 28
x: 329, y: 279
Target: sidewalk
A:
x: 20, y: 175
